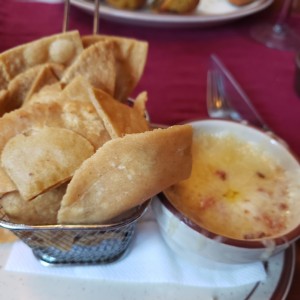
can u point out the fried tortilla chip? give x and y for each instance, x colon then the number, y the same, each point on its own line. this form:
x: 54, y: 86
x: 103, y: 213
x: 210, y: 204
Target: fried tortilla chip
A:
x: 4, y: 77
x: 46, y: 94
x: 24, y: 85
x: 79, y: 89
x: 46, y: 77
x: 62, y: 48
x: 41, y: 210
x: 125, y: 172
x: 77, y: 116
x: 41, y: 159
x: 17, y: 90
x: 130, y: 56
x: 4, y: 102
x: 82, y: 118
x: 6, y: 184
x: 118, y: 118
x: 97, y: 65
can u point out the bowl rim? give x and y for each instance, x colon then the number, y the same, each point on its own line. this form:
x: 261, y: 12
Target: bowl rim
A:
x: 284, y: 239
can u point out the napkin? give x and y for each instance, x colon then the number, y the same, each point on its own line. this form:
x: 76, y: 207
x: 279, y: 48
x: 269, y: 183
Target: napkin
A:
x: 148, y: 260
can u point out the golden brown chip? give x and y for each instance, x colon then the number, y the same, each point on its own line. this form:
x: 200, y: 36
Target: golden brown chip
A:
x: 118, y: 118
x: 4, y: 97
x: 46, y: 94
x: 41, y: 159
x: 78, y: 116
x: 125, y: 172
x: 47, y: 76
x: 82, y: 118
x: 62, y: 48
x: 140, y: 103
x: 31, y: 116
x: 130, y: 56
x: 6, y: 184
x: 4, y: 77
x: 97, y: 65
x: 41, y: 210
x: 23, y: 86
x: 17, y: 90
x: 79, y: 89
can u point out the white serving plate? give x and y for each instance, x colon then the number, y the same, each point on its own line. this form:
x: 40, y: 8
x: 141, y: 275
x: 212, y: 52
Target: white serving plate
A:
x: 208, y: 13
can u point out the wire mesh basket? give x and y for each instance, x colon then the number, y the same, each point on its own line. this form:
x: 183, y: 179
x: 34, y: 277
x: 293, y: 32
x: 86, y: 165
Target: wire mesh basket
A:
x: 78, y: 244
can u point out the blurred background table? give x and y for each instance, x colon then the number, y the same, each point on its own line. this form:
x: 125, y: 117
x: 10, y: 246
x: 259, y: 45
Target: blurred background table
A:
x: 175, y: 75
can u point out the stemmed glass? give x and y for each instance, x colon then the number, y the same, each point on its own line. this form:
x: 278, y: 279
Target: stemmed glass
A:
x: 278, y: 35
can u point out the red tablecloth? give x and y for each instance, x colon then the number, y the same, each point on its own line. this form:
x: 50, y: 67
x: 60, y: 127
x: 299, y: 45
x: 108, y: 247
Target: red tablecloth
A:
x: 175, y: 75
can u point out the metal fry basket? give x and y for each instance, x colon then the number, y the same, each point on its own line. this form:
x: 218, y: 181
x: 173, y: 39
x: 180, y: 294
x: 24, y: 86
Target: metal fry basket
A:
x: 78, y: 244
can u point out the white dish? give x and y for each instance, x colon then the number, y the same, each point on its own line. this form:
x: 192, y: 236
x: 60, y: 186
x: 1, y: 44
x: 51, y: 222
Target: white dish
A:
x: 44, y: 287
x: 208, y: 13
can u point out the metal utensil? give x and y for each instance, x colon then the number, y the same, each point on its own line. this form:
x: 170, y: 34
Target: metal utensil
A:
x: 226, y: 98
x: 217, y: 105
x: 67, y: 15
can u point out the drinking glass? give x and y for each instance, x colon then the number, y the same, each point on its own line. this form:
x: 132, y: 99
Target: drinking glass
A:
x: 279, y: 34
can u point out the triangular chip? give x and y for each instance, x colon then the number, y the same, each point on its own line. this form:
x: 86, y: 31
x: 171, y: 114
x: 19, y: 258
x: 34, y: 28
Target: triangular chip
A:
x: 4, y: 101
x: 46, y: 94
x: 82, y: 118
x: 78, y: 89
x: 41, y: 210
x: 23, y: 86
x: 118, y: 118
x: 97, y: 65
x: 4, y: 77
x: 6, y: 184
x: 125, y: 172
x: 62, y: 48
x: 41, y: 159
x: 17, y: 90
x: 130, y: 55
x: 78, y: 116
x: 47, y: 76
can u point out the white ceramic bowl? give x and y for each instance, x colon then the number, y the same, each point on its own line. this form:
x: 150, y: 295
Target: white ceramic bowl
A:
x: 194, y: 242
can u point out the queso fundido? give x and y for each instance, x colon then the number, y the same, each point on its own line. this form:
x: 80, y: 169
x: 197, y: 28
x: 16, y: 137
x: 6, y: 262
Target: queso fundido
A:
x: 236, y: 189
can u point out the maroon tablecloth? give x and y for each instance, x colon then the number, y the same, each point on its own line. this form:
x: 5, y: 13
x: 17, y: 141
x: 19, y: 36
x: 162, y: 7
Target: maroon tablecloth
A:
x: 175, y: 75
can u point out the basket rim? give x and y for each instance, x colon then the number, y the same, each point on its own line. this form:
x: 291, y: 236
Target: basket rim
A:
x: 137, y: 214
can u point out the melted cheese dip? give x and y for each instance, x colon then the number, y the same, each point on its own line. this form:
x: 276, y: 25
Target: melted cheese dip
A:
x: 235, y: 189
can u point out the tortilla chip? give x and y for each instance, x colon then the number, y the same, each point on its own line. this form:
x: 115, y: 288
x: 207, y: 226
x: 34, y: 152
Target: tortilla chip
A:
x: 41, y: 159
x: 20, y: 88
x: 62, y: 48
x: 23, y: 119
x: 46, y: 76
x: 4, y: 101
x: 77, y: 116
x: 118, y: 118
x: 41, y: 210
x: 130, y: 56
x: 6, y: 184
x: 97, y: 65
x: 82, y: 118
x: 78, y: 89
x: 125, y: 172
x: 46, y: 94
x: 4, y: 77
